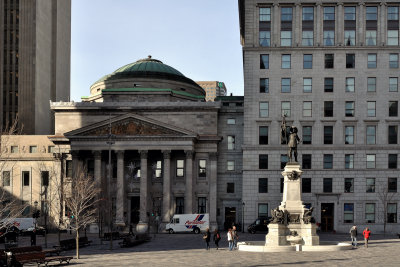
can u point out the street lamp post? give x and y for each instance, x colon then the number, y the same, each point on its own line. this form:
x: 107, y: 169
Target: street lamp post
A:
x: 35, y: 205
x: 243, y: 216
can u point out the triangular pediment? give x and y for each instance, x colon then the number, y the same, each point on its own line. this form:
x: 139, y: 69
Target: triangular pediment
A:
x: 130, y: 125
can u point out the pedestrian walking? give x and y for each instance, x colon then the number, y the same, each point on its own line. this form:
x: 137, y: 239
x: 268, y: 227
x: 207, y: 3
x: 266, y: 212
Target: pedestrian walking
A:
x: 230, y: 238
x: 217, y: 238
x: 353, y: 235
x: 235, y: 237
x: 366, y: 234
x: 207, y: 237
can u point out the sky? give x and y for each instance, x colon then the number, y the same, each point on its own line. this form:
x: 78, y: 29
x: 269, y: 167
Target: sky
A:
x: 200, y: 39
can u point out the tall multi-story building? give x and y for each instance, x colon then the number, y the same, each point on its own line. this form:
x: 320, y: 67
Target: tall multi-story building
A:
x: 213, y: 89
x: 332, y: 68
x: 35, y: 43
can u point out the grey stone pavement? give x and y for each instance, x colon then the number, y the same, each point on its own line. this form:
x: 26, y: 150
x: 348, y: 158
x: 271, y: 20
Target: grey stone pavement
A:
x: 189, y: 250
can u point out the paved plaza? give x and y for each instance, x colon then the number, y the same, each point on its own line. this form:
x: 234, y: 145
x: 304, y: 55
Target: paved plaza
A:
x: 189, y: 250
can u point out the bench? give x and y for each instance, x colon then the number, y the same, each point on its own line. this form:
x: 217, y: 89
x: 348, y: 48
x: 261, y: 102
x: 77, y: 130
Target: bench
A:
x: 20, y: 250
x: 71, y: 243
x: 132, y: 241
x: 115, y: 236
x: 39, y: 258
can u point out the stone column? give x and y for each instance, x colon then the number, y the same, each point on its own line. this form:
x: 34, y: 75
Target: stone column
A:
x: 382, y: 27
x: 275, y: 26
x: 97, y: 167
x: 76, y: 166
x: 166, y: 205
x: 142, y: 226
x: 340, y: 25
x: 213, y: 190
x: 318, y: 24
x: 360, y: 24
x: 119, y: 220
x: 297, y: 26
x: 189, y: 182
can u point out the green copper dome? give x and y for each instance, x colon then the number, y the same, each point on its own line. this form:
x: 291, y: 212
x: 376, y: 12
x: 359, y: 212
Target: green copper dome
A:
x: 148, y: 64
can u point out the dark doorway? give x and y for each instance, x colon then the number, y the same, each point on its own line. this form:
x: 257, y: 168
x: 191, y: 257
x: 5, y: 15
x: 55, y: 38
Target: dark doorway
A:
x: 230, y: 217
x: 135, y: 209
x: 327, y: 215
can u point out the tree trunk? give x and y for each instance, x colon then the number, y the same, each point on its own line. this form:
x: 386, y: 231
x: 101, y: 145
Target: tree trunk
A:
x: 59, y: 235
x: 77, y: 243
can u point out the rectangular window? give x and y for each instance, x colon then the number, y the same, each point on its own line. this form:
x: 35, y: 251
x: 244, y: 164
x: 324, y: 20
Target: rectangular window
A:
x: 393, y: 13
x: 285, y: 88
x: 307, y: 135
x: 328, y: 161
x: 350, y: 84
x: 392, y: 212
x: 349, y: 185
x: 328, y: 135
x: 307, y: 38
x: 329, y: 13
x: 286, y: 14
x: 157, y: 169
x: 264, y: 85
x: 230, y: 188
x: 371, y: 135
x: 286, y: 61
x: 202, y: 205
x: 262, y: 210
x: 284, y: 160
x: 370, y: 212
x: 25, y: 178
x: 371, y: 61
x: 307, y: 85
x: 306, y: 161
x: 281, y: 186
x: 392, y: 135
x: 68, y: 167
x: 263, y: 135
x: 45, y: 178
x: 370, y: 37
x: 349, y: 135
x: 202, y: 168
x: 265, y: 38
x: 265, y: 14
x: 6, y: 178
x: 392, y: 185
x: 231, y: 121
x: 307, y: 61
x: 350, y: 37
x: 264, y: 61
x: 371, y: 108
x: 371, y: 84
x: 329, y: 38
x: 370, y: 185
x: 393, y: 37
x: 328, y: 85
x: 263, y: 161
x: 349, y: 161
x: 348, y: 213
x: 307, y: 108
x: 264, y: 109
x: 350, y: 61
x: 329, y: 59
x: 371, y: 13
x: 392, y: 161
x: 306, y: 185
x: 327, y: 185
x: 308, y: 13
x: 393, y: 61
x: 286, y: 38
x: 231, y: 142
x: 285, y: 108
x: 180, y: 168
x: 393, y: 84
x: 230, y: 165
x: 349, y: 108
x: 393, y: 108
x: 50, y: 149
x: 180, y: 205
x: 349, y: 13
x: 32, y: 149
x: 371, y: 161
x: 14, y: 149
x: 328, y: 109
x: 263, y: 185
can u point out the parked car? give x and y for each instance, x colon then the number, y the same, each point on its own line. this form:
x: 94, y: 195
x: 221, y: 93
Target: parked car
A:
x: 259, y: 225
x: 9, y: 233
x: 39, y: 231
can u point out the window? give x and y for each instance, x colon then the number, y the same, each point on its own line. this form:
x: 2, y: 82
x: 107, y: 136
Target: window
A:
x: 306, y: 185
x: 6, y: 178
x: 392, y: 212
x: 306, y: 161
x: 392, y: 185
x: 371, y: 13
x: 371, y: 61
x: 393, y: 12
x: 231, y: 121
x: 263, y: 161
x: 286, y: 38
x: 329, y: 13
x: 307, y: 61
x: 370, y: 37
x: 371, y: 135
x: 307, y: 38
x: 32, y: 149
x: 231, y: 142
x: 371, y: 84
x: 286, y: 61
x: 308, y: 13
x: 329, y: 38
x: 284, y: 160
x: 202, y: 168
x: 348, y: 210
x: 393, y: 84
x: 349, y: 185
x: 370, y: 212
x: 349, y: 161
x: 371, y: 108
x: 263, y: 185
x: 50, y: 149
x: 328, y: 161
x: 230, y: 188
x: 263, y: 135
x: 25, y: 178
x: 281, y: 186
x: 328, y: 85
x: 350, y: 84
x: 68, y: 171
x: 157, y: 169
x: 264, y: 61
x: 349, y: 13
x: 285, y: 107
x: 202, y: 205
x: 371, y: 161
x: 350, y: 37
x: 180, y: 167
x: 285, y: 85
x: 45, y: 178
x: 393, y: 61
x: 286, y: 14
x: 370, y: 185
x: 327, y: 185
x: 307, y: 108
x: 393, y: 37
x: 350, y: 61
x: 349, y: 109
x: 307, y: 135
x: 265, y: 14
x: 349, y: 135
x: 392, y: 135
x: 14, y: 149
x: 307, y: 85
x: 264, y: 109
x: 328, y: 135
x: 265, y: 38
x: 262, y: 210
x: 328, y: 109
x: 392, y: 161
x: 264, y: 85
x: 230, y: 165
x: 329, y: 61
x: 180, y: 205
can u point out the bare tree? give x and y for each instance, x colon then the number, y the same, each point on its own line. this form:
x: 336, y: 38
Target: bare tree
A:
x: 384, y: 197
x: 81, y: 198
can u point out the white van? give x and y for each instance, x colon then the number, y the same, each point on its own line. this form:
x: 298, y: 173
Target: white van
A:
x: 188, y: 223
x: 21, y: 223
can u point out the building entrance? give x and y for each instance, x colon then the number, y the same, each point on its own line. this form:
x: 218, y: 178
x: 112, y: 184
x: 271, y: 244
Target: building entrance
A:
x: 327, y: 216
x: 230, y: 217
x: 135, y: 209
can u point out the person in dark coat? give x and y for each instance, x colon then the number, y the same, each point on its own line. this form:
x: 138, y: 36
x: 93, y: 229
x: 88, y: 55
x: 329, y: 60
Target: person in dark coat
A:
x: 207, y: 237
x: 33, y: 237
x: 217, y: 238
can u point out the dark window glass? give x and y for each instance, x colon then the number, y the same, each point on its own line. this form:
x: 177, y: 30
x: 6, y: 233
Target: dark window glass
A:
x: 263, y: 185
x: 308, y: 13
x: 392, y: 212
x: 68, y: 168
x: 350, y: 61
x: 285, y: 85
x: 392, y: 161
x: 328, y: 161
x: 327, y: 185
x: 230, y: 188
x: 263, y: 138
x: 393, y: 108
x: 307, y: 135
x: 286, y: 14
x: 392, y: 185
x: 263, y: 161
x: 329, y: 13
x: 307, y: 61
x: 6, y: 178
x: 202, y: 168
x: 349, y: 112
x: 264, y: 85
x: 284, y: 160
x: 392, y: 134
x: 370, y: 185
x: 306, y: 185
x: 348, y: 213
x: 202, y: 205
x: 328, y: 85
x: 45, y: 178
x: 25, y: 177
x: 264, y: 61
x: 328, y: 135
x: 282, y: 183
x: 348, y: 185
x: 180, y: 205
x: 306, y: 161
x: 329, y: 61
x: 328, y: 109
x: 349, y: 161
